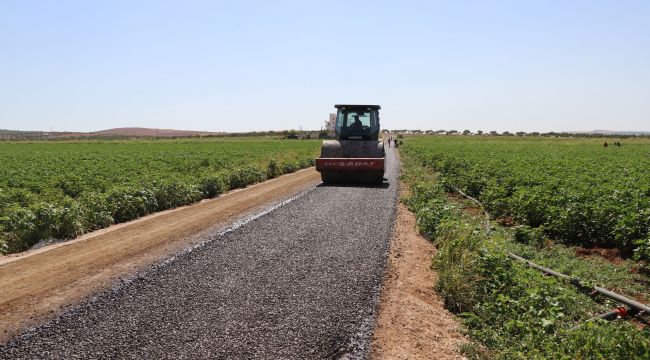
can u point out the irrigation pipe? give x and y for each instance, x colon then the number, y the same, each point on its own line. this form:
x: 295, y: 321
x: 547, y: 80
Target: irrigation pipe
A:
x: 577, y: 282
x: 639, y: 308
x: 476, y: 201
x: 617, y: 313
x: 467, y: 196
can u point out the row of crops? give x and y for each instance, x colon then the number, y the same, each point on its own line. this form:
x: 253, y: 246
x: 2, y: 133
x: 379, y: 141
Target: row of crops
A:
x: 511, y: 311
x: 63, y: 189
x: 575, y: 191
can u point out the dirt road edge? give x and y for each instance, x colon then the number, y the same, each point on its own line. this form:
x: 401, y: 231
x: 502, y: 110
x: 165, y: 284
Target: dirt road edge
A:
x: 412, y: 322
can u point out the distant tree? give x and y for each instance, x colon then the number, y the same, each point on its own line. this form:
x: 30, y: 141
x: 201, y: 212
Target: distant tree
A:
x: 520, y: 133
x: 452, y: 132
x: 535, y: 133
x: 507, y: 133
x: 480, y: 132
x: 291, y: 134
x: 494, y: 133
x: 466, y: 132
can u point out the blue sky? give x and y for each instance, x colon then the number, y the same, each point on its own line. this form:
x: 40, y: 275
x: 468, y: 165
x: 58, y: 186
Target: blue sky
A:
x: 254, y: 65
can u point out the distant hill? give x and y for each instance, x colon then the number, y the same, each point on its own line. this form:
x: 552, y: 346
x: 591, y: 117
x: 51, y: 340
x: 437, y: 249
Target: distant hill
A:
x: 146, y: 132
x: 112, y: 133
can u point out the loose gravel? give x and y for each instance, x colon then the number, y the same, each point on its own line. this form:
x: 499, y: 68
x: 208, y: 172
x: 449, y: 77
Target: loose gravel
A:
x: 299, y: 282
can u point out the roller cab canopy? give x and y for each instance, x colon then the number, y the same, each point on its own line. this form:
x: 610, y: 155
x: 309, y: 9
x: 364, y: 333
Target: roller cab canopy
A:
x: 357, y: 122
x: 349, y: 106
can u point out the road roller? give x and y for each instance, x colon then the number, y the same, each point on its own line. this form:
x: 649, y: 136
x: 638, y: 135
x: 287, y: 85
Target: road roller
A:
x: 356, y: 156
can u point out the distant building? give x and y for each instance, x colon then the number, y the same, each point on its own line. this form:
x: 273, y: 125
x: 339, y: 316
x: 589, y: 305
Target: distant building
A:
x: 330, y: 123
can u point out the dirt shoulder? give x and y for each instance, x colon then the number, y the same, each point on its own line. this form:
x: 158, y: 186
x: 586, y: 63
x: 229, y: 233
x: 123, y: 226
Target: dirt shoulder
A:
x: 39, y: 284
x: 412, y: 322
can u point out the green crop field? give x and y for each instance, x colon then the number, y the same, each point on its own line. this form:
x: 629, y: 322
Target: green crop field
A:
x: 65, y: 188
x: 568, y: 191
x: 574, y: 190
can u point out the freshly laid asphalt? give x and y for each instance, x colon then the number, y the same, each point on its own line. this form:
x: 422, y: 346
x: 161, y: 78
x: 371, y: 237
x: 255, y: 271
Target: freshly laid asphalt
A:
x: 301, y: 282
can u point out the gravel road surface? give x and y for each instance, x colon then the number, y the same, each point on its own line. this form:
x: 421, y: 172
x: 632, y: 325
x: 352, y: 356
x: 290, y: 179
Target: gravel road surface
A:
x: 299, y: 282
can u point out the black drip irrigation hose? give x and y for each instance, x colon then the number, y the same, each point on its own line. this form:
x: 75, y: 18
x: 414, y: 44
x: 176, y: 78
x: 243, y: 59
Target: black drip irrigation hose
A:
x: 635, y: 307
x: 619, y: 312
x: 477, y: 202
